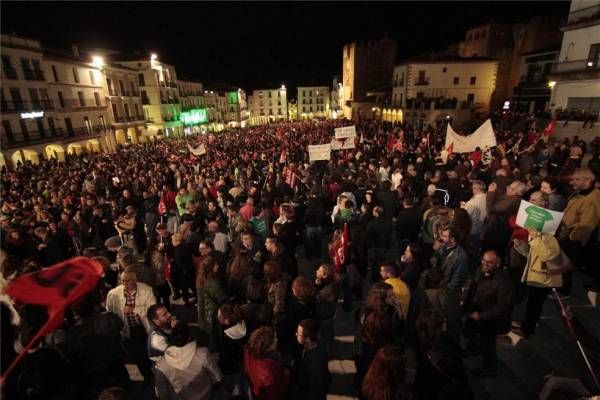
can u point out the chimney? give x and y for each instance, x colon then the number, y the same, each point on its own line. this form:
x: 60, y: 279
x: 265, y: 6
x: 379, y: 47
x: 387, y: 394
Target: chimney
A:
x: 75, y: 49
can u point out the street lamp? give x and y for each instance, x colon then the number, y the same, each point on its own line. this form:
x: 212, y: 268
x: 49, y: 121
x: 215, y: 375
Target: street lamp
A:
x: 97, y: 61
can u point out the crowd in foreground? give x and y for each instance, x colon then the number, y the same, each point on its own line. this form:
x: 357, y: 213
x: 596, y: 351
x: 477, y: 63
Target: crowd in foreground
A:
x: 221, y: 234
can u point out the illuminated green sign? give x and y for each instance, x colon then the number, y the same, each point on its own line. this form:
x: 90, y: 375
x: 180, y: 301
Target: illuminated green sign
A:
x: 232, y: 97
x: 194, y: 116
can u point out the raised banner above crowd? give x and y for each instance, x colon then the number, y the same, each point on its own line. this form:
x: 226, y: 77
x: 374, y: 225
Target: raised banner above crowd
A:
x: 319, y: 152
x: 345, y: 132
x: 483, y: 137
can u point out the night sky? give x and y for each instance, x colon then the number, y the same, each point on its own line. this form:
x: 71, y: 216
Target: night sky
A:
x: 256, y: 45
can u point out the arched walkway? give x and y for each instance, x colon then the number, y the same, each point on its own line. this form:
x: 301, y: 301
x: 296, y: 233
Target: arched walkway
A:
x: 55, y: 151
x: 74, y: 148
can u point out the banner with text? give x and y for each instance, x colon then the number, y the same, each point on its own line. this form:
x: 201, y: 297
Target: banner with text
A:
x: 483, y: 137
x: 539, y: 218
x: 319, y: 152
x: 345, y: 132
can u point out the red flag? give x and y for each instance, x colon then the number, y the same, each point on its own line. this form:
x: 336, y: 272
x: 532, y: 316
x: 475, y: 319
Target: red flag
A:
x: 341, y: 250
x: 290, y: 177
x: 55, y: 288
x: 550, y: 128
x: 162, y: 207
x: 391, y: 142
x: 450, y: 149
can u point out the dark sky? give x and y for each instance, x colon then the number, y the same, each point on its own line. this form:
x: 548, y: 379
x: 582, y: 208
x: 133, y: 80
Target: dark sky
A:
x: 257, y: 45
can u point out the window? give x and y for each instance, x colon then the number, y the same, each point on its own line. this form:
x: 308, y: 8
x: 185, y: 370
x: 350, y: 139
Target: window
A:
x: 88, y: 124
x: 444, y: 69
x: 483, y: 33
x: 270, y: 111
x: 55, y: 74
x: 303, y: 109
x: 6, y: 64
x: 456, y: 80
x: 97, y: 98
x: 469, y: 37
x: 8, y: 131
x: 122, y: 88
x: 141, y: 80
x: 40, y: 125
x: 25, y: 64
x: 115, y: 111
x: 132, y: 86
x: 75, y: 75
x: 92, y: 77
x: 310, y: 93
x: 137, y: 109
x: 476, y: 36
x: 35, y: 99
x: 126, y: 110
x: 303, y: 93
x: 270, y: 94
x: 51, y: 126
x: 81, y: 99
x: 279, y: 111
x: 69, y: 126
x: 593, y: 56
x: 61, y: 100
x: 471, y: 98
x: 473, y: 80
x: 24, y: 129
x: 311, y: 110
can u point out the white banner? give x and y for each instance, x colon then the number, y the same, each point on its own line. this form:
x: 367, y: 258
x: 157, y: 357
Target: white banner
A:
x: 483, y: 137
x: 342, y: 144
x: 319, y: 152
x: 201, y: 150
x: 345, y: 132
x: 539, y: 218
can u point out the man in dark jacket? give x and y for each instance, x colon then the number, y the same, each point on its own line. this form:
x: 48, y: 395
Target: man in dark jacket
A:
x: 409, y: 221
x: 279, y: 253
x: 489, y: 308
x: 379, y: 231
x: 312, y: 374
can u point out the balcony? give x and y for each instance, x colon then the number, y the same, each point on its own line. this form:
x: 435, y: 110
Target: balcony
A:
x: 124, y: 93
x: 575, y: 69
x: 422, y: 82
x: 112, y: 92
x: 20, y: 106
x: 75, y: 103
x: 10, y: 73
x: 33, y: 74
x: 33, y: 138
x: 171, y: 84
x: 145, y: 100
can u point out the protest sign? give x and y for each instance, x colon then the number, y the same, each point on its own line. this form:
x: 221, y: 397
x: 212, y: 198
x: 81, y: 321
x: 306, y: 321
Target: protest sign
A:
x: 539, y: 218
x: 319, y: 152
x: 345, y: 132
x: 342, y: 144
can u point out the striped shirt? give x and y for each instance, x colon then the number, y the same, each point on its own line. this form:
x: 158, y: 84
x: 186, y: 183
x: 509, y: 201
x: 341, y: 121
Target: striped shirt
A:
x: 132, y: 318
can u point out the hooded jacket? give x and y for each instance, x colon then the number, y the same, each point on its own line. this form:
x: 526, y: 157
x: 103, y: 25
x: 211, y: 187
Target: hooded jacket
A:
x: 190, y: 370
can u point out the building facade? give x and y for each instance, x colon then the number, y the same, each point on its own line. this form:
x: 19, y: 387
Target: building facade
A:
x: 159, y: 93
x: 313, y: 102
x: 337, y: 100
x: 53, y: 103
x: 268, y: 105
x: 575, y: 79
x: 124, y: 101
x: 365, y: 66
x: 533, y: 93
x: 194, y: 114
x: 427, y: 88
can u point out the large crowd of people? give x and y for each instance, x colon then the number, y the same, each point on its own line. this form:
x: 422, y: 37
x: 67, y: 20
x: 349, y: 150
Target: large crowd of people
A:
x: 260, y: 244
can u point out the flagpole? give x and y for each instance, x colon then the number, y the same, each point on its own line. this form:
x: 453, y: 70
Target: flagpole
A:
x: 574, y: 335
